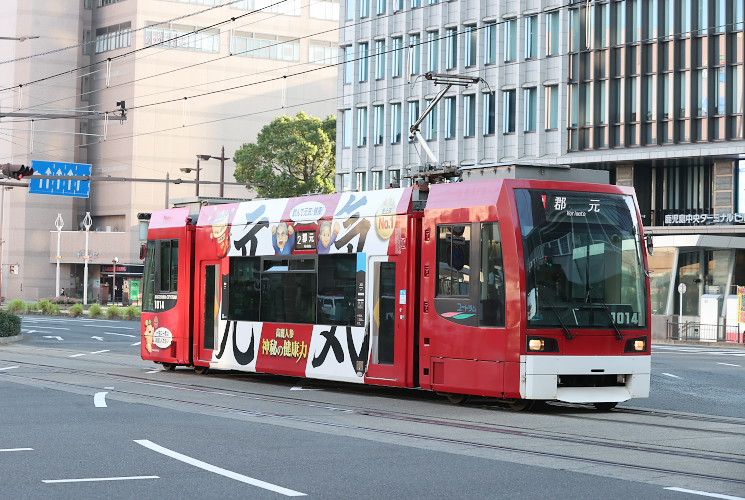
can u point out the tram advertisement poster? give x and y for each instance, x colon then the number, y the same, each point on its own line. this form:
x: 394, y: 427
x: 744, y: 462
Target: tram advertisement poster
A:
x: 741, y: 304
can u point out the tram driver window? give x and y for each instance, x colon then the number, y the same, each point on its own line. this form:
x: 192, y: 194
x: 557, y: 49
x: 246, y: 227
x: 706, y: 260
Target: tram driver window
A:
x: 244, y: 289
x: 453, y: 260
x: 492, y: 284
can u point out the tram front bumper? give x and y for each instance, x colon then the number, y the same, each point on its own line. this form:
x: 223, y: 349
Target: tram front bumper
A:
x: 585, y: 379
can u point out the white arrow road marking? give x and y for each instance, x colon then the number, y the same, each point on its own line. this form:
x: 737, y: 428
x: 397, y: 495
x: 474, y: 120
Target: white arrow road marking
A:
x: 99, y: 399
x: 8, y: 368
x: 17, y: 449
x: 120, y: 334
x: 53, y: 337
x: 91, y: 479
x: 301, y: 388
x: 219, y: 470
x: 98, y: 338
x: 28, y: 331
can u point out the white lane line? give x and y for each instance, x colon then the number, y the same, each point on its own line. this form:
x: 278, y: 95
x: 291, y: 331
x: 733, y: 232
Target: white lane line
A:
x: 98, y: 338
x: 705, y: 494
x: 92, y: 479
x: 8, y: 368
x: 671, y: 375
x: 120, y: 334
x: 99, y: 352
x: 136, y: 343
x: 53, y: 337
x: 727, y: 364
x: 76, y: 355
x: 99, y: 399
x: 154, y: 371
x: 17, y: 449
x: 109, y: 388
x: 219, y: 470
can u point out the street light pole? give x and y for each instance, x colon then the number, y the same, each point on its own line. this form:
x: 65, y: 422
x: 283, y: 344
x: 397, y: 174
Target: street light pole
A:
x: 87, y: 222
x: 222, y: 159
x: 113, y: 288
x: 59, y: 224
x: 198, y: 177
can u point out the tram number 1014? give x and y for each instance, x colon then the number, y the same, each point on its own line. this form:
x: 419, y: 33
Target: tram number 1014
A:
x: 625, y: 318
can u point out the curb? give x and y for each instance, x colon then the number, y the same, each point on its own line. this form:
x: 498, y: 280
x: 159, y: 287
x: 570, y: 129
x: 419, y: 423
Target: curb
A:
x: 8, y: 340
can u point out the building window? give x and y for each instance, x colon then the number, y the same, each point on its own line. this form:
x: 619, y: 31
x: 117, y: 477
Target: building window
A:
x: 619, y: 15
x: 531, y: 109
x: 413, y: 112
x: 380, y: 7
x: 490, y: 113
x: 364, y: 60
x: 85, y: 87
x: 289, y: 8
x: 451, y: 48
x: 348, y: 64
x: 490, y: 43
x: 433, y: 45
x: 265, y: 46
x: 377, y: 180
x: 508, y: 106
x: 379, y: 59
x: 416, y: 3
x: 87, y: 42
x: 432, y: 120
x: 364, y: 8
x: 394, y: 177
x: 346, y: 139
x: 510, y: 40
x: 398, y: 5
x: 415, y: 54
x: 450, y: 116
x: 396, y: 123
x: 602, y: 102
x: 702, y: 101
x: 397, y: 57
x: 328, y: 11
x: 574, y: 30
x: 552, y: 107
x: 469, y: 115
x: 181, y: 37
x: 114, y: 37
x: 552, y: 33
x: 531, y: 37
x: 350, y: 10
x: 471, y: 44
x: 320, y: 52
x: 378, y: 124
x: 360, y: 181
x: 362, y: 127
x: 103, y: 3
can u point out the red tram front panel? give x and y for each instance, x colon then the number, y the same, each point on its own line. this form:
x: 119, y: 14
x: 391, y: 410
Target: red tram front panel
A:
x: 490, y: 291
x: 315, y: 287
x: 167, y: 294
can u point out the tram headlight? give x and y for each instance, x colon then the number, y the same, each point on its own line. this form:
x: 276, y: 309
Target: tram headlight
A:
x: 636, y: 345
x: 536, y: 344
x: 542, y: 344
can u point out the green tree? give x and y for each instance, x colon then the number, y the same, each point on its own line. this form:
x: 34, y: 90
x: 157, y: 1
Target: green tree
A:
x: 291, y: 157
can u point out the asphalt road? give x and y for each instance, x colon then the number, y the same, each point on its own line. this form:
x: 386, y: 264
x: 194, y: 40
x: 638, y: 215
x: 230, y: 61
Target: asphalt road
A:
x: 84, y: 417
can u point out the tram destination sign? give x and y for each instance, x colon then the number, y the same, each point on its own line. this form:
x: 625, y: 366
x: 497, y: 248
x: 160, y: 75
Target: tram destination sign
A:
x: 704, y: 219
x: 61, y: 187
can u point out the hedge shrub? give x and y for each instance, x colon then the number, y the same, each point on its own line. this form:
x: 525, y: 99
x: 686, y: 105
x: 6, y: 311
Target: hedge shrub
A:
x: 113, y: 312
x: 132, y: 312
x: 17, y: 306
x: 10, y: 324
x: 75, y: 311
x: 95, y: 311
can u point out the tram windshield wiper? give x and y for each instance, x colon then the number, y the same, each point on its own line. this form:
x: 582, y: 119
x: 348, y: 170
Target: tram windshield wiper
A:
x: 553, y: 308
x: 602, y: 305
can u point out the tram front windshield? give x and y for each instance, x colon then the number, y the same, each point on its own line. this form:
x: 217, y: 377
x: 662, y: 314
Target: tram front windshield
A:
x: 583, y: 260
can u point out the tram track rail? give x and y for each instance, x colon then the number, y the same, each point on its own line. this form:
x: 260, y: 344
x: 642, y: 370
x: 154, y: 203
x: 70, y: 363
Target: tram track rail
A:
x: 435, y: 433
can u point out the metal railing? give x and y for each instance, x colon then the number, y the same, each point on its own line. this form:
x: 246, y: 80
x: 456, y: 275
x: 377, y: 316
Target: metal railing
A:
x: 697, y: 332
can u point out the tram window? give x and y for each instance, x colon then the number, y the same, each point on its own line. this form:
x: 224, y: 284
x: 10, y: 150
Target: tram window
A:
x: 244, y: 292
x: 492, y: 284
x: 337, y: 279
x: 453, y: 260
x: 287, y: 296
x: 161, y: 272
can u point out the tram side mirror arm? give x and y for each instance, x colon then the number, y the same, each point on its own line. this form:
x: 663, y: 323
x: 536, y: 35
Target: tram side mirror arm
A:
x: 648, y: 243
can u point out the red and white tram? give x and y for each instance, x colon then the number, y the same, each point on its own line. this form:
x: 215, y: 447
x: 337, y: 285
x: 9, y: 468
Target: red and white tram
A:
x: 526, y: 290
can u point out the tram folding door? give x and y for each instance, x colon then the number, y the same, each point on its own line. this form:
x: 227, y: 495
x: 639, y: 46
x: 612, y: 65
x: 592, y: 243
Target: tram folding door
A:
x: 207, y: 322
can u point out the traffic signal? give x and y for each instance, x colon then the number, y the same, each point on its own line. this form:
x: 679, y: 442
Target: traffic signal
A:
x: 16, y: 171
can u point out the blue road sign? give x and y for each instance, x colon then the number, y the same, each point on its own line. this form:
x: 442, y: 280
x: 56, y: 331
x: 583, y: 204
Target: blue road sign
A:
x: 61, y: 187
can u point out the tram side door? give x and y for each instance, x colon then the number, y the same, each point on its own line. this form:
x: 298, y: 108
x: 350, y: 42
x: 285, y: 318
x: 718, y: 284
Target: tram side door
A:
x: 387, y: 342
x: 207, y: 324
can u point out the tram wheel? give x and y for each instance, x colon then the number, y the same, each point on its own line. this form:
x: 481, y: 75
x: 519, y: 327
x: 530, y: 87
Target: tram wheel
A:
x: 201, y: 370
x: 604, y: 406
x: 457, y: 399
x: 521, y: 404
x: 169, y: 367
